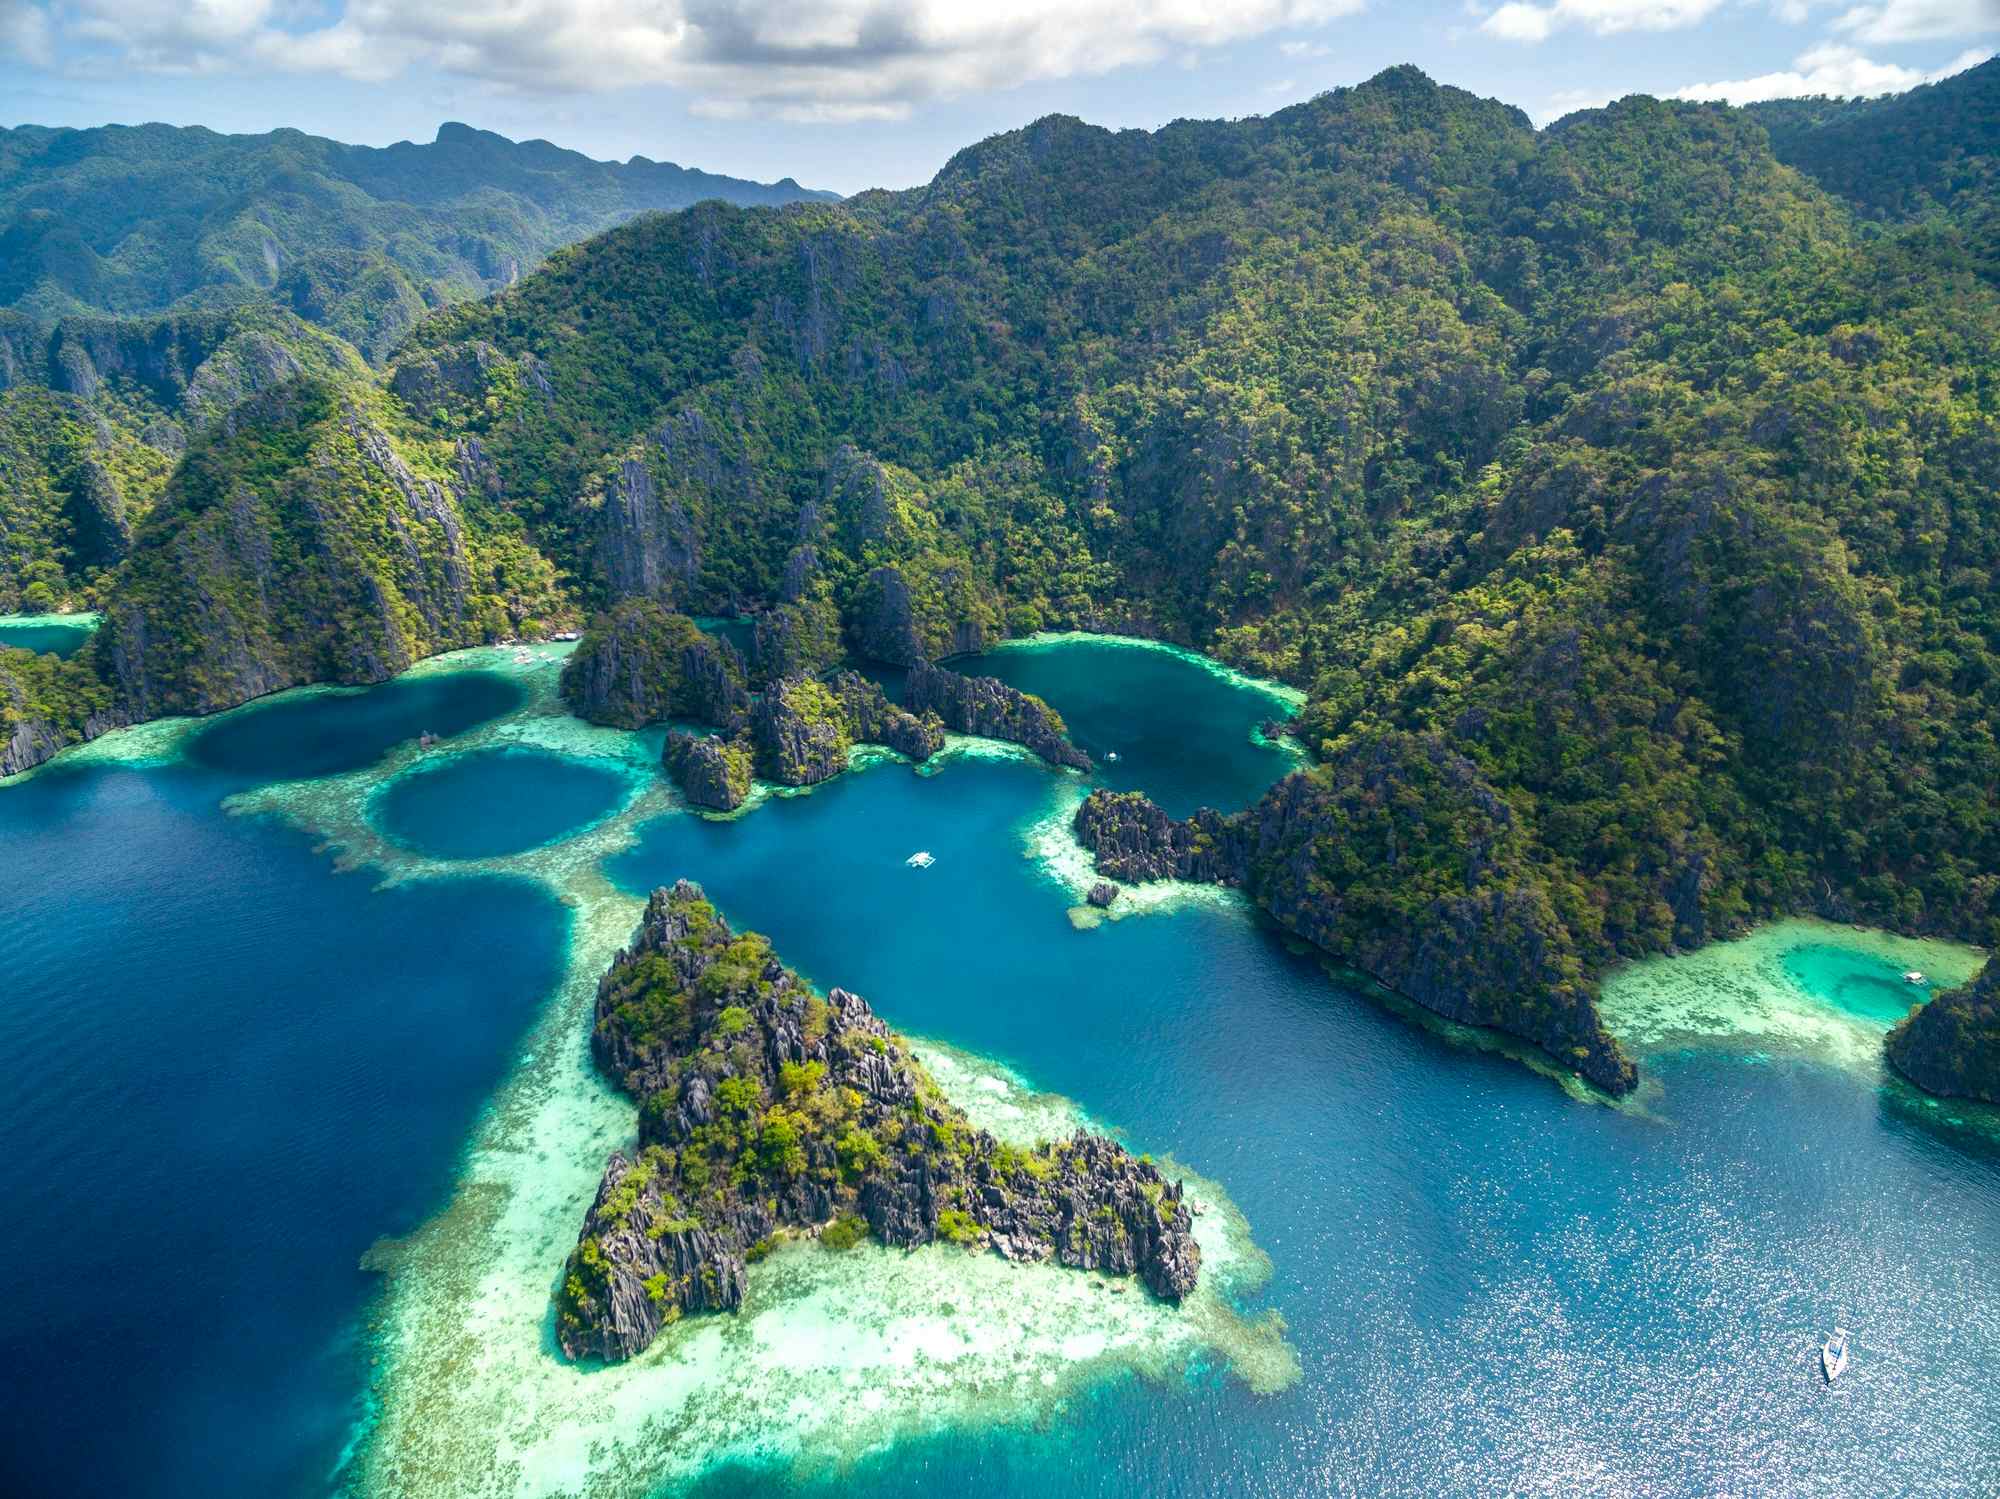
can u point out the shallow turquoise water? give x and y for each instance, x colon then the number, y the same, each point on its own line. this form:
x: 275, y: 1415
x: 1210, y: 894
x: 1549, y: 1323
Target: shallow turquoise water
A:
x: 231, y: 1069
x: 1858, y: 983
x: 494, y: 802
x: 739, y: 632
x: 47, y: 633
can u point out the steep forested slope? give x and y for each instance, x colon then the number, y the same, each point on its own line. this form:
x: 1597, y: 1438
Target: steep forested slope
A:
x: 363, y: 241
x: 1930, y: 157
x: 1613, y: 478
x: 95, y: 413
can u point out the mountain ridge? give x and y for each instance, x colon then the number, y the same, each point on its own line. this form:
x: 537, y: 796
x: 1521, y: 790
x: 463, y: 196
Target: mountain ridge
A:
x: 1616, y: 478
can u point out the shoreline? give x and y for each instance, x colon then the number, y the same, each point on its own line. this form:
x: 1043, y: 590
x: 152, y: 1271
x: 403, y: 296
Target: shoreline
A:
x: 466, y: 1386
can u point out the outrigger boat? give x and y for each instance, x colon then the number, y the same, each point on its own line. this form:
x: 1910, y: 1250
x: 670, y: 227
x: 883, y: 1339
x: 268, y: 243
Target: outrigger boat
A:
x: 1915, y: 976
x: 1833, y: 1355
x: 921, y: 859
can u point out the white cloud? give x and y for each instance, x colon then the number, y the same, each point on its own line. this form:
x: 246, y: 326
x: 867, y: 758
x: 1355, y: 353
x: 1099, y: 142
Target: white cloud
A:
x: 1305, y: 49
x: 1830, y: 69
x: 1920, y: 20
x: 24, y: 33
x: 814, y: 60
x: 1522, y: 21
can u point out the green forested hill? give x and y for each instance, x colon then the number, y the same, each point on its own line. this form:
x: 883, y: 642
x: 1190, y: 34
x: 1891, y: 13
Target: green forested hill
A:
x: 1929, y: 157
x: 134, y: 220
x: 96, y: 412
x: 1617, y: 477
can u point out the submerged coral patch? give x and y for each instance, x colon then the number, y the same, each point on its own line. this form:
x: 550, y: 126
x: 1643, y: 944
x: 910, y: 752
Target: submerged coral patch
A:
x: 1805, y: 987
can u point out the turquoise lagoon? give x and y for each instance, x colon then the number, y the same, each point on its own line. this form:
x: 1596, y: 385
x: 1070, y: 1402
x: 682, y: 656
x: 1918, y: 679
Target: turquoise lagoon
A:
x: 259, y: 1034
x: 53, y: 634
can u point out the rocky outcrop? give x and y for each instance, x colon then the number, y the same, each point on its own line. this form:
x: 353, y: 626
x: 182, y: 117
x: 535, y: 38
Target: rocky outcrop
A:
x: 1951, y: 1046
x: 47, y: 705
x: 447, y: 377
x: 873, y: 719
x: 796, y: 639
x: 100, y: 531
x: 885, y: 621
x: 1134, y: 840
x: 991, y: 709
x: 711, y: 772
x: 1399, y: 860
x: 296, y: 544
x: 801, y: 732
x: 1102, y: 894
x: 640, y: 663
x: 646, y: 543
x: 766, y: 1110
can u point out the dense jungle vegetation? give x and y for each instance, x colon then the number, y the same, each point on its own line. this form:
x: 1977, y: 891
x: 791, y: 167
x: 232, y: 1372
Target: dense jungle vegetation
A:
x: 1651, y: 475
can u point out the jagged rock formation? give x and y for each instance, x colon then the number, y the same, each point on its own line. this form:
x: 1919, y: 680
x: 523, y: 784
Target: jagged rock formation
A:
x: 641, y: 663
x: 302, y: 543
x: 1400, y: 860
x: 1134, y: 840
x: 766, y: 1109
x: 991, y: 709
x: 712, y: 772
x: 800, y: 638
x: 873, y: 719
x: 100, y: 530
x: 801, y: 732
x: 1951, y: 1046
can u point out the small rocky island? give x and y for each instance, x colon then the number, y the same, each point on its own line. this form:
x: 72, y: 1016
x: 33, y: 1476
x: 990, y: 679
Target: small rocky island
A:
x: 766, y: 1110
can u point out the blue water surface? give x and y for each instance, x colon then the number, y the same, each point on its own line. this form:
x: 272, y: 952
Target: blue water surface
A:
x: 51, y: 634
x: 303, y: 734
x: 228, y: 1071
x: 1492, y: 1287
x: 495, y: 802
x: 1151, y: 719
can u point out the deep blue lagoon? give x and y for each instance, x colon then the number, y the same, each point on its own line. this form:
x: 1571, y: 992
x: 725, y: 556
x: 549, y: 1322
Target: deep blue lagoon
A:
x: 494, y: 802
x: 231, y: 1070
x: 1158, y: 721
x: 324, y: 733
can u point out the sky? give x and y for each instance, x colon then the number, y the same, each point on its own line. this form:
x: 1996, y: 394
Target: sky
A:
x: 849, y: 94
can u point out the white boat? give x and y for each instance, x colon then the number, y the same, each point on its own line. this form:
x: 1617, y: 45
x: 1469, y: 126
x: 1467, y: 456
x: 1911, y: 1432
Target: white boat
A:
x: 1111, y: 754
x: 1915, y: 977
x: 921, y: 859
x: 1833, y: 1355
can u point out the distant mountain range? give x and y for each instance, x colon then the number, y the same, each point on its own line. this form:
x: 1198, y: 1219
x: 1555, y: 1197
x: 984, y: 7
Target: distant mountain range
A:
x: 137, y: 220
